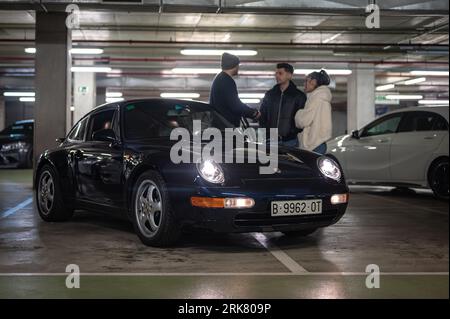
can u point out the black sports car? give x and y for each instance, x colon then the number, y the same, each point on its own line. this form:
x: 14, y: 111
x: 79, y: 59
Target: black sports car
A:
x: 16, y: 145
x: 116, y: 159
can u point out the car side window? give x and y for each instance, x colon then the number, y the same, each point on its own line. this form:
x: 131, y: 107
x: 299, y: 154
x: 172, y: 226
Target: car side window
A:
x: 385, y: 125
x: 422, y: 121
x: 100, y: 121
x: 77, y: 133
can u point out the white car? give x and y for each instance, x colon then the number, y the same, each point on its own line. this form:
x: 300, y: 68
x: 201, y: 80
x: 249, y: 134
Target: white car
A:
x: 404, y: 148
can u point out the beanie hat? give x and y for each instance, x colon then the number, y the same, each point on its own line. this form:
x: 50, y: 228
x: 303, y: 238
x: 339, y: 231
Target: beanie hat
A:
x: 229, y: 61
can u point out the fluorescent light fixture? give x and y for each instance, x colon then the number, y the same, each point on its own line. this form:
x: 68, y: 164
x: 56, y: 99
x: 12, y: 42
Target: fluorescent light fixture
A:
x: 86, y: 51
x: 256, y: 72
x: 72, y: 108
x: 404, y: 97
x: 95, y: 69
x: 332, y: 38
x: 329, y: 71
x: 30, y: 50
x: 180, y: 95
x: 251, y: 95
x: 26, y: 99
x: 113, y: 99
x: 113, y: 94
x: 385, y: 87
x: 442, y: 73
x: 434, y: 102
x: 415, y: 81
x: 196, y: 70
x: 250, y: 101
x: 19, y: 94
x: 218, y: 52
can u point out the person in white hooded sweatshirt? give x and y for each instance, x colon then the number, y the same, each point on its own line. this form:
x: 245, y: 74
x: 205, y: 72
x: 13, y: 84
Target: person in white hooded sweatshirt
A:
x: 315, y: 118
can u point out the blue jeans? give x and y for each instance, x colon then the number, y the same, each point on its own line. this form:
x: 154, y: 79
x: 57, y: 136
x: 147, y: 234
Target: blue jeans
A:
x: 321, y: 149
x: 291, y: 143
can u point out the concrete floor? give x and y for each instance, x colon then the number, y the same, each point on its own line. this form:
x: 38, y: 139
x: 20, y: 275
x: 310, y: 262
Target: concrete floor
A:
x: 405, y: 234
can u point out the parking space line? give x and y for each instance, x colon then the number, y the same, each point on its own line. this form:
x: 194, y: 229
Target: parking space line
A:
x: 200, y: 274
x: 13, y: 210
x: 282, y: 257
x: 407, y: 204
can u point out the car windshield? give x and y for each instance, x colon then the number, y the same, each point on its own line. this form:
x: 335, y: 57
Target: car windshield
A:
x: 158, y: 119
x: 14, y: 129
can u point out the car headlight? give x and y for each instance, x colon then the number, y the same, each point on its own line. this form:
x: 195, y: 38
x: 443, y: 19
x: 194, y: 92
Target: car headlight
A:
x: 13, y: 146
x: 211, y: 171
x: 329, y: 168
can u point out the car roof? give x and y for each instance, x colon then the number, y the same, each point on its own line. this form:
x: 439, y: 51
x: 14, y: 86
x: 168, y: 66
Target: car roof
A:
x: 159, y: 100
x: 441, y: 110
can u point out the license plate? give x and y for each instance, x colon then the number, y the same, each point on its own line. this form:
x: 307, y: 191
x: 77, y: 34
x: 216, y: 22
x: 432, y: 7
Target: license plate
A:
x: 296, y: 207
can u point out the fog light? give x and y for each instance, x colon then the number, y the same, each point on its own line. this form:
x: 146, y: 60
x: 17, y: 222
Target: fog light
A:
x: 239, y: 202
x: 339, y: 199
x: 216, y: 202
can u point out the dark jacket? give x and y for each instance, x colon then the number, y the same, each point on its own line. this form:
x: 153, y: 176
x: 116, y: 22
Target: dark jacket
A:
x: 278, y: 110
x: 224, y: 96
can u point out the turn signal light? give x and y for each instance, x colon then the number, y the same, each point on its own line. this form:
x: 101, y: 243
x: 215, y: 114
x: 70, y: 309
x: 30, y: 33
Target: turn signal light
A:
x: 215, y: 202
x: 339, y: 199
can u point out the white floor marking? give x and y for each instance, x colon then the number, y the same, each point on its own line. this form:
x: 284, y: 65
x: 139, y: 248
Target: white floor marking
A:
x: 199, y: 274
x: 282, y: 257
x: 13, y: 210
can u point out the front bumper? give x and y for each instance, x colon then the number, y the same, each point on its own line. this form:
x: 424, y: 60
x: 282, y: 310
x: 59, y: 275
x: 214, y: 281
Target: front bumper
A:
x: 258, y: 218
x: 13, y: 158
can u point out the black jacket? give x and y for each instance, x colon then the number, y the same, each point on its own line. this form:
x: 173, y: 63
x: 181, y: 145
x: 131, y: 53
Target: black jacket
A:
x: 278, y: 110
x: 224, y: 96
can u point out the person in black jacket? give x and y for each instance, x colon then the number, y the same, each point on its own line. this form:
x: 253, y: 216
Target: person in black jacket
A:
x: 280, y: 104
x: 224, y: 93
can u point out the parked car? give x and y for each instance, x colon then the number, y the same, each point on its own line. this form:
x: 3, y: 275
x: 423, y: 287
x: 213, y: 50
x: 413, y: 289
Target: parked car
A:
x: 404, y: 148
x: 16, y: 145
x: 116, y: 159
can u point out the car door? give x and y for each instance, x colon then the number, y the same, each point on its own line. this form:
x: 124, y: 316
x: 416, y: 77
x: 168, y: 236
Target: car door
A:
x: 420, y: 134
x: 99, y: 162
x: 367, y: 159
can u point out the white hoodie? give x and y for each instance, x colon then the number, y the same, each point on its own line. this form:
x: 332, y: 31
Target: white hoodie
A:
x: 315, y: 119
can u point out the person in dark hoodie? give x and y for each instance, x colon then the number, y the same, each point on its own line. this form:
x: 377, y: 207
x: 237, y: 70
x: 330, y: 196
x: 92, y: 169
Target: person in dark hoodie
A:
x: 224, y: 93
x: 280, y: 104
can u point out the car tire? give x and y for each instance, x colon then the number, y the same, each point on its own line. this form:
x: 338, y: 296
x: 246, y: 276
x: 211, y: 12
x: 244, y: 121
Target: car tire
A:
x: 299, y: 233
x: 49, y: 200
x: 438, y: 178
x: 151, y: 213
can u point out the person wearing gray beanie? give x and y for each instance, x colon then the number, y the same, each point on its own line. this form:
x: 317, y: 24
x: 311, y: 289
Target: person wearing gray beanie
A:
x: 224, y: 94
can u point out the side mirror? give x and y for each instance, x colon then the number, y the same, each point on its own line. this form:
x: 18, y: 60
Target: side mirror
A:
x: 105, y: 135
x: 355, y: 134
x: 60, y: 140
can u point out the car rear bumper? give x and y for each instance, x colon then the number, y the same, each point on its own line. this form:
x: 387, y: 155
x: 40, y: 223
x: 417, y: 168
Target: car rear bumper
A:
x: 258, y: 218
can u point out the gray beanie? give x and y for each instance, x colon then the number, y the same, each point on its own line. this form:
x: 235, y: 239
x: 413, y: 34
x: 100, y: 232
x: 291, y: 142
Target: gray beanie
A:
x: 229, y: 61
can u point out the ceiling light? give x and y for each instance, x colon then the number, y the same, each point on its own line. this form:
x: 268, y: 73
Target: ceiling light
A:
x: 434, y: 102
x: 27, y: 99
x: 330, y: 72
x: 251, y: 95
x: 415, y: 81
x: 113, y: 99
x: 250, y: 101
x: 180, y: 95
x: 442, y: 73
x: 95, y: 69
x: 332, y: 38
x: 19, y: 94
x: 30, y: 50
x: 113, y: 94
x: 86, y: 51
x: 218, y: 52
x: 385, y: 87
x: 404, y: 97
x: 196, y: 70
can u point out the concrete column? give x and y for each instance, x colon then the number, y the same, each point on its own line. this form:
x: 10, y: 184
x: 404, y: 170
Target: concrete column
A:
x: 2, y: 114
x: 360, y: 96
x: 101, y: 95
x: 84, y: 92
x: 52, y: 80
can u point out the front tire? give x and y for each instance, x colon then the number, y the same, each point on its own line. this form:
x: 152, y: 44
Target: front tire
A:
x: 49, y: 199
x: 152, y: 217
x: 438, y: 178
x: 299, y: 233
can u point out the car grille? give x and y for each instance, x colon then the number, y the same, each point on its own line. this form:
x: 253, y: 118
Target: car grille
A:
x: 265, y: 219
